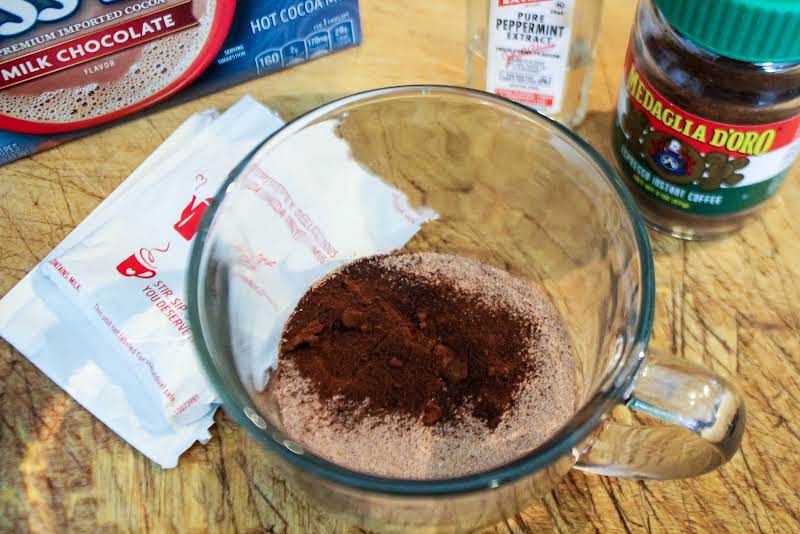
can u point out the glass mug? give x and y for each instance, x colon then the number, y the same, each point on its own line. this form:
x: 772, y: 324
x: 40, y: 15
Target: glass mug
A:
x: 518, y: 191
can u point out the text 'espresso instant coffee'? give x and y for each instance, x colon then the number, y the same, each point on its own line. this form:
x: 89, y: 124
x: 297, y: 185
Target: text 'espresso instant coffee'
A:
x: 708, y: 120
x: 422, y: 365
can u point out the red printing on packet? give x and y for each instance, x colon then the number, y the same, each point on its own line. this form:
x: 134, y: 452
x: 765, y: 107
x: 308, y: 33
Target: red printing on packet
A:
x: 65, y: 274
x: 135, y: 352
x: 191, y: 216
x: 141, y: 264
x: 96, y: 45
x: 172, y: 307
x: 247, y: 263
x: 300, y: 226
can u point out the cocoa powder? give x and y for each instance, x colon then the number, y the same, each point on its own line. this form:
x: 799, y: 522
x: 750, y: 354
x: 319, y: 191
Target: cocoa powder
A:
x: 372, y: 341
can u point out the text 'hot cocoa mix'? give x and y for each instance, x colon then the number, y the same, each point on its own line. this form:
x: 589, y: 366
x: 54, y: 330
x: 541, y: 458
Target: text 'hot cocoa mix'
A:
x: 422, y: 365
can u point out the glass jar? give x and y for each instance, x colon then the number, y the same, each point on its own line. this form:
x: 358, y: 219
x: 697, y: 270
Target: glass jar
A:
x: 539, y: 54
x: 709, y: 113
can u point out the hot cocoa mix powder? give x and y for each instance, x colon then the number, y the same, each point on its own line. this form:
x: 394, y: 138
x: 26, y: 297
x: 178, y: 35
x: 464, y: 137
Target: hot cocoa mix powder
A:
x: 422, y: 366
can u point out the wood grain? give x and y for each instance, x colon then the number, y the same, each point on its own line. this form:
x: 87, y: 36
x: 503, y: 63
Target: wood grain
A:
x: 730, y: 304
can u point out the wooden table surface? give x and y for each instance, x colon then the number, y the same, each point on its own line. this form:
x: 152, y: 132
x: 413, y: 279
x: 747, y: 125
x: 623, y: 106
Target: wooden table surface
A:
x: 730, y: 304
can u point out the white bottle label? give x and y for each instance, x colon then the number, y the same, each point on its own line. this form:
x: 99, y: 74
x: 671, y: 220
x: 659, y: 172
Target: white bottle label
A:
x: 529, y: 50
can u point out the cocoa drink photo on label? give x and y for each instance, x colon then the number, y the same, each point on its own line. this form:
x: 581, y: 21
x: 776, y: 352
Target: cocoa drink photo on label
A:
x: 69, y: 68
x: 83, y: 63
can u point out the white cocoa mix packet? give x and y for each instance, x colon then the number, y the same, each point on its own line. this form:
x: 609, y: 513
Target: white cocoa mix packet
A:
x: 128, y: 276
x: 48, y: 329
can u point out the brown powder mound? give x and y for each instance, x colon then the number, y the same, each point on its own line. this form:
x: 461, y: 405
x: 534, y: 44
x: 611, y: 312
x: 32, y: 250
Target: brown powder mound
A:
x: 372, y: 340
x: 383, y: 433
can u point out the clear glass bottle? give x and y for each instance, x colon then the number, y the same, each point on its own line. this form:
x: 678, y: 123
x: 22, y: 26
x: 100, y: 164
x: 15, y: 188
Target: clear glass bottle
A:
x: 538, y: 53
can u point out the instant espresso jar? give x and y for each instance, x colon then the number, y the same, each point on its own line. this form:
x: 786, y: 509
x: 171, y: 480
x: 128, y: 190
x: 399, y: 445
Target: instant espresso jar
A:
x: 708, y: 121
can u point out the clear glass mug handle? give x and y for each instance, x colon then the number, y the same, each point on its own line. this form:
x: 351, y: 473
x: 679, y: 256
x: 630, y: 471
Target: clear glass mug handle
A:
x: 706, y: 415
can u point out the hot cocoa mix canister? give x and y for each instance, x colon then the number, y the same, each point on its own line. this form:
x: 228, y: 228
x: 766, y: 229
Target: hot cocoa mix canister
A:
x: 708, y: 118
x: 70, y: 64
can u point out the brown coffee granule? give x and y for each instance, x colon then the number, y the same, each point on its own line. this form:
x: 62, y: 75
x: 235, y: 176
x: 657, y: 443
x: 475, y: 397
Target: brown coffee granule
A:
x: 373, y: 341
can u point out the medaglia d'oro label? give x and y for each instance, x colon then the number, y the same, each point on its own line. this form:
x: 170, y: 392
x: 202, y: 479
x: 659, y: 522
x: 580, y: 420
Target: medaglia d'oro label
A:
x: 68, y: 64
x: 695, y: 165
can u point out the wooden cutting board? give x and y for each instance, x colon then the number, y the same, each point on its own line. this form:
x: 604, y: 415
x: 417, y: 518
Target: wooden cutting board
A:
x: 730, y: 304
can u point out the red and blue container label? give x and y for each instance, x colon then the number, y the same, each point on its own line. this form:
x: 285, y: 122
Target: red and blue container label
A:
x: 693, y: 164
x: 68, y: 67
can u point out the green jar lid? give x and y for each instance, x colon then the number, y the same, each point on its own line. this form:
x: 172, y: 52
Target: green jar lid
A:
x: 758, y: 31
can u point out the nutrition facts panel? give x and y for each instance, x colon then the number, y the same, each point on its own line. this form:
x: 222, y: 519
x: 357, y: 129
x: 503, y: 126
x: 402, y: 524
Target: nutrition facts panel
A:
x: 318, y: 43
